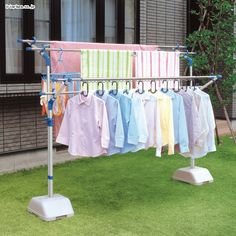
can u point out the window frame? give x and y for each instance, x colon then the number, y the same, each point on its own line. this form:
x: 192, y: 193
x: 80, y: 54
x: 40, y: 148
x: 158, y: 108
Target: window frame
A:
x: 28, y: 74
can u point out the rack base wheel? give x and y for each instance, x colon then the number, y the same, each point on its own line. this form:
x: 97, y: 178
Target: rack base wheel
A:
x: 51, y: 208
x: 195, y: 176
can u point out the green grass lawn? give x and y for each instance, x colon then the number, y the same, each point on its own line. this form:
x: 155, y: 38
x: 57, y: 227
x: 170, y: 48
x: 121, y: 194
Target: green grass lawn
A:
x: 130, y: 194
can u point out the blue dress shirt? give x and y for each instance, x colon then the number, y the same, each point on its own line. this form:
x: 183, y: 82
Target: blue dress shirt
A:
x: 129, y: 122
x: 115, y: 123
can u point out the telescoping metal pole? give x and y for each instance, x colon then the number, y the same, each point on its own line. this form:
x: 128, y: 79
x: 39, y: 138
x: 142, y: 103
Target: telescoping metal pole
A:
x: 45, y: 55
x: 52, y: 206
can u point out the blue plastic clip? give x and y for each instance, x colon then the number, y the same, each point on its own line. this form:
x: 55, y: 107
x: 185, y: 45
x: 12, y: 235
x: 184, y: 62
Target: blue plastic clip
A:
x: 50, y: 104
x: 42, y: 93
x: 50, y: 177
x: 219, y: 76
x: 45, y: 56
x: 60, y: 56
x: 19, y: 40
x: 53, y: 78
x: 34, y: 40
x: 50, y: 121
x: 177, y: 47
x: 188, y: 59
x: 28, y: 49
x: 43, y: 77
x: 69, y: 78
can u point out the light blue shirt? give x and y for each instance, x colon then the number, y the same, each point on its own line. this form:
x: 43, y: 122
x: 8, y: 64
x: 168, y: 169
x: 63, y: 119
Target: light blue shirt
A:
x: 128, y: 121
x: 139, y: 112
x: 115, y: 123
x: 180, y: 124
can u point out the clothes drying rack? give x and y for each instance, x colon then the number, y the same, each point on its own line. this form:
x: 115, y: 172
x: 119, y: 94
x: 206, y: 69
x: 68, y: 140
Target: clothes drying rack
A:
x: 55, y: 206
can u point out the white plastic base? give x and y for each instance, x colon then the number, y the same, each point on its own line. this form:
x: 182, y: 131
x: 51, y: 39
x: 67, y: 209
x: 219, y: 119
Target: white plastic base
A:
x: 195, y: 176
x: 51, y: 208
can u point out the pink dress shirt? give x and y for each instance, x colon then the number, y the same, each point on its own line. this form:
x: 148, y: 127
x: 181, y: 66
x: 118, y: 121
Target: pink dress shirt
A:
x: 85, y: 126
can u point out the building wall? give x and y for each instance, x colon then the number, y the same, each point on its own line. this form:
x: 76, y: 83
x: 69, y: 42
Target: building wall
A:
x: 163, y: 22
x: 21, y: 125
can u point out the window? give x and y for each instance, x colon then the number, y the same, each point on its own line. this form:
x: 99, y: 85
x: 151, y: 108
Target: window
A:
x: 110, y: 21
x: 13, y: 29
x: 41, y: 29
x: 78, y: 20
x: 18, y: 65
x: 130, y: 17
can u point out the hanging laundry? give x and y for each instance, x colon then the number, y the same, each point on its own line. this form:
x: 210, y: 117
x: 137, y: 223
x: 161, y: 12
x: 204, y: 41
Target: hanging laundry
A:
x: 166, y: 121
x: 128, y: 120
x: 180, y: 125
x: 190, y: 113
x: 115, y: 122
x: 152, y: 64
x: 85, y: 127
x: 201, y: 128
x: 106, y: 64
x: 152, y: 117
x: 139, y: 113
x: 208, y: 109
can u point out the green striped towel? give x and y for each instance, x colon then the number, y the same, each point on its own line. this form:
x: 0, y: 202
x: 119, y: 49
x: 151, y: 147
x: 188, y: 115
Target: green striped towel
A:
x: 106, y: 64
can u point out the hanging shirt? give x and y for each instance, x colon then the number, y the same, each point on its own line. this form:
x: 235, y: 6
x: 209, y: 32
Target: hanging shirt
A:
x: 200, y: 127
x: 190, y: 113
x: 152, y: 117
x: 210, y: 140
x: 115, y: 123
x: 128, y: 121
x: 166, y: 120
x: 85, y: 127
x: 140, y: 118
x: 180, y: 125
x: 200, y: 134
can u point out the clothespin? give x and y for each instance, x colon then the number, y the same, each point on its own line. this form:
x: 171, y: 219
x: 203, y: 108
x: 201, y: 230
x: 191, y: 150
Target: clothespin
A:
x: 176, y: 48
x: 188, y: 59
x: 60, y: 56
x: 34, y: 40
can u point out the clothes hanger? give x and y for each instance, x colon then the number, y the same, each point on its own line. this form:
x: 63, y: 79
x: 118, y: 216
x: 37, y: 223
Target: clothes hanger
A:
x: 100, y: 92
x: 151, y: 86
x: 87, y: 89
x: 127, y: 84
x: 114, y: 91
x: 178, y: 82
x: 138, y: 90
x: 167, y: 86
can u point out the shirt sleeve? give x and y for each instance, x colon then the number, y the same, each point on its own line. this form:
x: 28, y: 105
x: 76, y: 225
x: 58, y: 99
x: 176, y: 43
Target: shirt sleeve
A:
x: 141, y: 122
x: 119, y: 131
x: 158, y: 131
x: 183, y: 131
x: 64, y: 132
x: 171, y: 138
x: 105, y: 133
x: 132, y: 128
x: 212, y: 125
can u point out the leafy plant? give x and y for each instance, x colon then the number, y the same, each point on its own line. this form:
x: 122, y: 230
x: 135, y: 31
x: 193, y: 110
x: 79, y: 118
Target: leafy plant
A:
x: 215, y: 44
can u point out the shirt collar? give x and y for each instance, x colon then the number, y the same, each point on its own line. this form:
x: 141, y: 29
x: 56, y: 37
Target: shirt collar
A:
x: 171, y: 94
x: 98, y: 94
x: 83, y: 99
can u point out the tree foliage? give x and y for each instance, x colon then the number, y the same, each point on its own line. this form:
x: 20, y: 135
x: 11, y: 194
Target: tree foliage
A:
x: 215, y: 43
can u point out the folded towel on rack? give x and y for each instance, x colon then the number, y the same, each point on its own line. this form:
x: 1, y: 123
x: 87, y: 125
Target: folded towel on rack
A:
x: 106, y: 63
x: 153, y: 64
